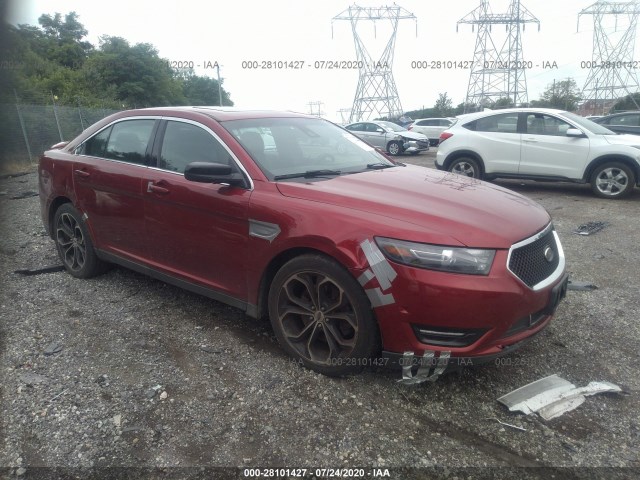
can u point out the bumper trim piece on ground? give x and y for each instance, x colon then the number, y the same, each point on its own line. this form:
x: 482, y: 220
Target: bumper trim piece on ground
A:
x: 426, y: 364
x: 552, y: 396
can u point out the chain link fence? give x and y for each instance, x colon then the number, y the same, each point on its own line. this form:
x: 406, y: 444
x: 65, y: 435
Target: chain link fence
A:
x: 28, y: 130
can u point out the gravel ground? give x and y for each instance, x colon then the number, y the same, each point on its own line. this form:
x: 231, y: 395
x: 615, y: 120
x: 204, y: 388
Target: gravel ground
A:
x: 125, y: 371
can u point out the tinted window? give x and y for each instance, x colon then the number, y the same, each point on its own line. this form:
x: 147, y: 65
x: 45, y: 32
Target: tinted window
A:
x: 503, y: 123
x: 184, y: 143
x: 427, y: 123
x: 372, y: 127
x: 95, y: 145
x: 445, y: 123
x: 128, y: 141
x: 540, y: 124
x: 633, y: 120
x: 356, y: 127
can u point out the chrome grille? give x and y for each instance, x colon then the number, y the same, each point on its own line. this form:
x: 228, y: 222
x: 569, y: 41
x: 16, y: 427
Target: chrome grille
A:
x: 528, y: 262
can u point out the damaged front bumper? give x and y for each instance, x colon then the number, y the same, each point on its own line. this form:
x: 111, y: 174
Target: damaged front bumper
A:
x: 432, y: 364
x: 413, y: 146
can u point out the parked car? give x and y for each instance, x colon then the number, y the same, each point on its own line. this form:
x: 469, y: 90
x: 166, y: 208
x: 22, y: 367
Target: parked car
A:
x: 291, y: 217
x: 432, y: 127
x: 627, y: 122
x: 390, y: 137
x: 541, y: 144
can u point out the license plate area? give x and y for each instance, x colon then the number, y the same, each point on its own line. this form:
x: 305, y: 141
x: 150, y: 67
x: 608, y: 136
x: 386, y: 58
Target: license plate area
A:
x: 557, y: 294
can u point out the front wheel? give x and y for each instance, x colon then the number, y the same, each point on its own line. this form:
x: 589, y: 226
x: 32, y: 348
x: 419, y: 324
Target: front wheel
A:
x: 74, y: 244
x: 612, y: 180
x: 394, y: 148
x: 321, y: 316
x: 466, y: 166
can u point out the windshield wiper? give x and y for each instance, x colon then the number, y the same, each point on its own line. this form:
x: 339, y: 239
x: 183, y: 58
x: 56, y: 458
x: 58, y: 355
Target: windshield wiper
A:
x: 308, y: 174
x: 379, y: 166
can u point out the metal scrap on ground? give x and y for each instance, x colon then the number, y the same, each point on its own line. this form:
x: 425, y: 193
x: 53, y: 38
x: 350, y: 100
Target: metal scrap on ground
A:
x: 581, y: 286
x: 552, y: 396
x: 590, y: 228
x: 38, y: 271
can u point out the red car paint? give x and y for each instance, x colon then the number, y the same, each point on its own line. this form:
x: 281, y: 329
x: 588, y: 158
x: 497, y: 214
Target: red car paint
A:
x: 198, y: 233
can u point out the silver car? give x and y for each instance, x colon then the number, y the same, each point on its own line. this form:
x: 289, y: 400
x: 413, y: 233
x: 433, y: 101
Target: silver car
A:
x: 390, y: 137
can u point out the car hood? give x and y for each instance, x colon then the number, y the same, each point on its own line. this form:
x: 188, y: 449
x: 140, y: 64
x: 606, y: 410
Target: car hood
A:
x: 446, y: 205
x: 631, y: 140
x: 411, y: 135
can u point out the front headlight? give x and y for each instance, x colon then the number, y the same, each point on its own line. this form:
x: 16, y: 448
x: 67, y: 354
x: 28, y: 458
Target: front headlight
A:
x: 472, y: 261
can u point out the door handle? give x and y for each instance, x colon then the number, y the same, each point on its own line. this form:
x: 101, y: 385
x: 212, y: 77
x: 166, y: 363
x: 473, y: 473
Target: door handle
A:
x: 530, y: 140
x: 82, y: 173
x: 151, y: 188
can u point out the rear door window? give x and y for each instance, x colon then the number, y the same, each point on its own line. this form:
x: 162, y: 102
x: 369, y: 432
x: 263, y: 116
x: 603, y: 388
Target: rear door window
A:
x: 128, y: 141
x: 504, y: 123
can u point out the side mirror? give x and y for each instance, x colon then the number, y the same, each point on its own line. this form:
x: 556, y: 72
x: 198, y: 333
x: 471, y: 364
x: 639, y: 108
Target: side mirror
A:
x: 380, y: 130
x: 205, y: 172
x: 574, y: 132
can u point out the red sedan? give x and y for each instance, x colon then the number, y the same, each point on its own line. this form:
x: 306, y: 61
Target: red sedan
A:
x: 356, y: 259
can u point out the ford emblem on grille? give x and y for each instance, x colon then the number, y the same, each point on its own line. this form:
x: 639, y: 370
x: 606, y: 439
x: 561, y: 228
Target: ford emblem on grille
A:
x: 549, y: 254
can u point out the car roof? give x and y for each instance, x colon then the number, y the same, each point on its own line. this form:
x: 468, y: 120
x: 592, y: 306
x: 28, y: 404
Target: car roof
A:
x: 486, y: 113
x: 434, y: 118
x: 222, y: 114
x: 621, y: 113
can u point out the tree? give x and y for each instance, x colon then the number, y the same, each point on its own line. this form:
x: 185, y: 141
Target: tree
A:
x: 630, y: 102
x: 443, y: 106
x: 62, y: 40
x: 136, y: 74
x: 53, y: 59
x: 504, y: 102
x: 564, y: 94
x: 203, y: 91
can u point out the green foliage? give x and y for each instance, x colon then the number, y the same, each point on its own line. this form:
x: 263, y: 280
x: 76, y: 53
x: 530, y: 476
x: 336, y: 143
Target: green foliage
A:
x: 53, y: 61
x: 503, y: 102
x: 564, y: 95
x: 443, y: 106
x: 630, y: 102
x: 204, y: 91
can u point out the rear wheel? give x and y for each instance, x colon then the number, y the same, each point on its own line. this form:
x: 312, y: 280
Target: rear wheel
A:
x: 74, y: 244
x: 466, y: 166
x: 612, y: 180
x: 321, y: 316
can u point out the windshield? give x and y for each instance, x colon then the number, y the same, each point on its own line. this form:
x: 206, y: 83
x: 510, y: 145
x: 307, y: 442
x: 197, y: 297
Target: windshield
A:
x: 392, y: 126
x: 587, y: 124
x: 289, y: 146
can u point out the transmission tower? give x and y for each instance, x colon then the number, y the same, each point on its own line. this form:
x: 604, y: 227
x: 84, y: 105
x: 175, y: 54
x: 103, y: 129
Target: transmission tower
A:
x: 498, y: 70
x: 344, y: 113
x: 611, y: 75
x: 315, y: 108
x: 376, y: 94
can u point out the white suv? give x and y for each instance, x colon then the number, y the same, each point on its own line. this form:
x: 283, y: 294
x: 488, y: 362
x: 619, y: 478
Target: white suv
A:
x: 431, y: 127
x: 541, y: 144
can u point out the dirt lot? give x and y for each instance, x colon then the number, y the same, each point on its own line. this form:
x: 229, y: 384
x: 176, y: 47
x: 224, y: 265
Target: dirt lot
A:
x: 125, y: 371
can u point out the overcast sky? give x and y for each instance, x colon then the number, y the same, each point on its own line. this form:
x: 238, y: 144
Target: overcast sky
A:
x: 233, y: 32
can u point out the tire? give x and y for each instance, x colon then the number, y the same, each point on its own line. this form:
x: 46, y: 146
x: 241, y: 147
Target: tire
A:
x: 612, y: 180
x: 466, y: 166
x: 321, y: 316
x: 395, y: 148
x: 74, y: 244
